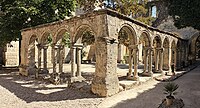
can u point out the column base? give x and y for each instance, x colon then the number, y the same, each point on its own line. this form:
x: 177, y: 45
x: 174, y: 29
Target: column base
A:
x: 136, y: 78
x: 77, y: 79
x: 149, y: 74
x: 45, y: 71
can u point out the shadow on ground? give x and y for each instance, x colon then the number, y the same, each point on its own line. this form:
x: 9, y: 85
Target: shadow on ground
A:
x: 27, y: 88
x: 150, y: 98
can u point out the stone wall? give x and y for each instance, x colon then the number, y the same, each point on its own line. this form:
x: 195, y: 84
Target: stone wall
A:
x: 12, y: 54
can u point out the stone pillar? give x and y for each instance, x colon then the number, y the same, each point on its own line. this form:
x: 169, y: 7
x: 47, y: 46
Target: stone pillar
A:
x: 156, y: 59
x: 73, y: 61
x: 45, y: 47
x: 136, y: 77
x: 161, y: 60
x: 79, y: 49
x: 105, y: 81
x: 60, y: 56
x: 54, y: 49
x: 170, y: 60
x: 130, y: 63
x: 145, y: 59
x: 150, y: 63
x: 39, y: 60
x: 175, y: 59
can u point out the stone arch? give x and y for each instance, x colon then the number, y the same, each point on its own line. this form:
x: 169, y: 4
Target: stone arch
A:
x: 130, y: 32
x: 166, y: 46
x: 80, y: 31
x: 173, y: 48
x: 157, y: 43
x: 59, y: 34
x: 44, y: 37
x: 144, y: 42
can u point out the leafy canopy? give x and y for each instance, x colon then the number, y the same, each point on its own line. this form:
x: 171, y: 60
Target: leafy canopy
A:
x: 134, y: 8
x: 185, y: 13
x: 18, y: 14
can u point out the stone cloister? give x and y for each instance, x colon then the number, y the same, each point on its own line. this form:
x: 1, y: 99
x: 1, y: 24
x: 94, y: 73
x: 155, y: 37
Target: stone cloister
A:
x: 113, y: 32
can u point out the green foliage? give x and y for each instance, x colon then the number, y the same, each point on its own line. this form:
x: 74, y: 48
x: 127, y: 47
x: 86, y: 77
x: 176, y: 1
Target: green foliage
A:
x: 88, y: 38
x: 20, y: 14
x: 49, y: 40
x: 135, y: 8
x: 170, y: 88
x: 185, y: 13
x: 66, y: 40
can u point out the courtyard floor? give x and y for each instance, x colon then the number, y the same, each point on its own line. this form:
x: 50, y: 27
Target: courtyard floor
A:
x: 26, y: 92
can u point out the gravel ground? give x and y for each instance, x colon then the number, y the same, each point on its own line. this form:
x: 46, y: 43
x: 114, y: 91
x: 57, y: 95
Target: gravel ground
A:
x: 25, y: 92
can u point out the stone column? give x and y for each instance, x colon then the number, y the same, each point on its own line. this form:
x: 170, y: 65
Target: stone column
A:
x: 45, y: 47
x: 136, y: 77
x: 54, y: 49
x: 150, y: 63
x: 130, y: 63
x: 73, y: 60
x: 161, y: 60
x: 175, y: 59
x: 156, y: 59
x: 39, y: 60
x: 145, y: 59
x: 170, y: 60
x: 79, y: 49
x: 60, y: 56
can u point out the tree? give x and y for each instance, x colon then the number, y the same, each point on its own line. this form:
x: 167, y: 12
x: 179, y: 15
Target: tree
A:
x: 185, y: 13
x: 20, y: 14
x: 134, y: 8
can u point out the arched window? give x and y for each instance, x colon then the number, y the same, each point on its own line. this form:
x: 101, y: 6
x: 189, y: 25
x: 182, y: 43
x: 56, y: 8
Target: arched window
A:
x: 154, y: 11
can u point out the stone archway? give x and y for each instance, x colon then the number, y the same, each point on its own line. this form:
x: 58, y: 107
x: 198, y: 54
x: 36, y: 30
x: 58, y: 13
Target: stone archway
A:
x: 144, y: 53
x: 61, y: 41
x: 127, y: 37
x: 166, y: 54
x: 32, y: 55
x: 158, y: 54
x: 83, y: 45
x: 45, y: 53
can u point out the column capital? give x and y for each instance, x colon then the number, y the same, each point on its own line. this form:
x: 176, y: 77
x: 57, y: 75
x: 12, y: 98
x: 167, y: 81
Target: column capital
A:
x: 39, y: 46
x: 134, y: 47
x: 78, y: 46
x: 45, y: 46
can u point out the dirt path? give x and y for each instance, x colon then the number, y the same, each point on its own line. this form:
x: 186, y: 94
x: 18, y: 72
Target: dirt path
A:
x: 151, y: 94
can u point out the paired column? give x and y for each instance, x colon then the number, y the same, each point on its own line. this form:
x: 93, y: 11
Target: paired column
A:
x: 159, y: 60
x: 148, y: 62
x: 133, y: 54
x: 76, y: 57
